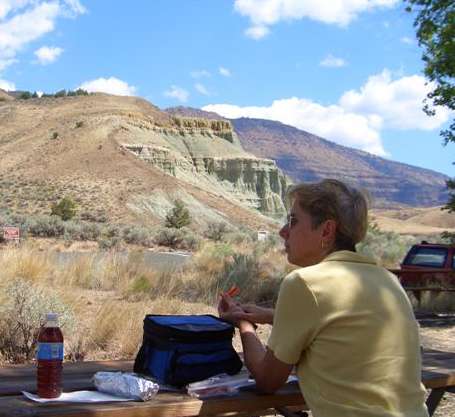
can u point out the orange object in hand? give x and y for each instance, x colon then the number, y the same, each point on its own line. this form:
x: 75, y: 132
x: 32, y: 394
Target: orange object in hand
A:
x: 234, y: 291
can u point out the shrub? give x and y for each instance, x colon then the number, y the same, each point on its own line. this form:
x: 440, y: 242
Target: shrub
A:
x: 65, y: 209
x: 22, y: 315
x: 107, y: 243
x: 61, y: 93
x: 238, y: 237
x: 54, y: 135
x: 90, y: 231
x: 139, y: 287
x: 96, y: 216
x: 388, y: 248
x: 216, y: 231
x: 178, y: 216
x: 79, y: 124
x: 81, y: 92
x: 25, y: 95
x: 138, y: 235
x: 177, y: 238
x: 258, y: 279
x: 45, y: 226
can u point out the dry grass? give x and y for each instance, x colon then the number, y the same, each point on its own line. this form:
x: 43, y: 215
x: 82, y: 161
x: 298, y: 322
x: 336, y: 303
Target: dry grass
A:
x: 110, y: 293
x: 25, y: 262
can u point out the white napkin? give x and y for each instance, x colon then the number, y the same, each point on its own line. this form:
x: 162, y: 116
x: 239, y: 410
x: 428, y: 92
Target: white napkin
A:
x: 78, y: 397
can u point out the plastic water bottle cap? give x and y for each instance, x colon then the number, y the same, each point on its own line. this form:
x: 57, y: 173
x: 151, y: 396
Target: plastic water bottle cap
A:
x: 51, y: 317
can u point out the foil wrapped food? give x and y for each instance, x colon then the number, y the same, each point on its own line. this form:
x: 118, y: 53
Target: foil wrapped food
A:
x: 125, y: 384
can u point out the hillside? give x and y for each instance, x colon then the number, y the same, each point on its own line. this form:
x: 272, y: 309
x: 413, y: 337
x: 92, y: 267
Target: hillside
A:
x: 307, y: 157
x: 123, y: 160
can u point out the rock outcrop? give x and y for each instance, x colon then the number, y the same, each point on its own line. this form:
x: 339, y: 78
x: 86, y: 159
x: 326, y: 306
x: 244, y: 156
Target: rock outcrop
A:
x: 208, y: 153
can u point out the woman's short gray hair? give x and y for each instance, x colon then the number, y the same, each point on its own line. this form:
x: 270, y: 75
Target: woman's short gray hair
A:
x: 332, y: 199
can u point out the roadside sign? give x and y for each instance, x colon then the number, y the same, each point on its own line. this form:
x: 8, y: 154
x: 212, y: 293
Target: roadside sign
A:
x: 11, y: 233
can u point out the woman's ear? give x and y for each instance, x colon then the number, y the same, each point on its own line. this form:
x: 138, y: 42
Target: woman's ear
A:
x: 329, y: 230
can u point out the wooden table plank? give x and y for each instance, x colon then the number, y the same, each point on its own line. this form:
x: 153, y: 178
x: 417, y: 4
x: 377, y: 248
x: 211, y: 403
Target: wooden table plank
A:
x: 76, y: 375
x: 163, y: 405
x: 439, y: 371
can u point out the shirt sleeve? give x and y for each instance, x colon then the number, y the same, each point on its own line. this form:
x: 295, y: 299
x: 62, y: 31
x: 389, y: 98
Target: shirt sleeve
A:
x: 296, y: 320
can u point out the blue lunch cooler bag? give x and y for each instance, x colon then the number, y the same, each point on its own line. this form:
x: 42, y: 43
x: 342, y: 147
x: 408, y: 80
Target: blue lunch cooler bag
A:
x: 180, y: 349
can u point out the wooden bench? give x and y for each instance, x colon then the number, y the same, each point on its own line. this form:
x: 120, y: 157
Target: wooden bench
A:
x: 438, y: 376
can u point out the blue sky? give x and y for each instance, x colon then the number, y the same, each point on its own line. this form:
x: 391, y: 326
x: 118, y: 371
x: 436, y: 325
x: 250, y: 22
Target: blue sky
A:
x: 349, y: 71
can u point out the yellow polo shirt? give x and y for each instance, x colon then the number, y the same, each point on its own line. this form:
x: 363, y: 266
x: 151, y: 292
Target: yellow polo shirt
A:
x: 350, y: 330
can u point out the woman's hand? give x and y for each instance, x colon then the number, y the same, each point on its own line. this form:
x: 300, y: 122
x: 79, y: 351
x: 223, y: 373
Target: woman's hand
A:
x: 256, y: 314
x: 229, y: 309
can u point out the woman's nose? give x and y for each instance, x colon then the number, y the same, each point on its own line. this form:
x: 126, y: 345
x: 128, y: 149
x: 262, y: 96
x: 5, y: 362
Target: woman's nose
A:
x: 284, y: 232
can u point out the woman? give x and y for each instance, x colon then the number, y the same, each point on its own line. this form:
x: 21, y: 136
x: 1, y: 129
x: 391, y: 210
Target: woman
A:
x: 344, y: 322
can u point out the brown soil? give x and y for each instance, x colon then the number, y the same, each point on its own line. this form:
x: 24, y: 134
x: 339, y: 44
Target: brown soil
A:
x: 415, y: 221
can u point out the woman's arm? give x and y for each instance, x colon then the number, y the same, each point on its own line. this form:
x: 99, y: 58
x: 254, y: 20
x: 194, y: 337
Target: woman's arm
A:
x: 256, y: 314
x: 269, y: 372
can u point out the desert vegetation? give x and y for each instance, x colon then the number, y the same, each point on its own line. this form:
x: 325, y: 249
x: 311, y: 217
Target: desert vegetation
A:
x: 103, y: 295
x: 26, y: 95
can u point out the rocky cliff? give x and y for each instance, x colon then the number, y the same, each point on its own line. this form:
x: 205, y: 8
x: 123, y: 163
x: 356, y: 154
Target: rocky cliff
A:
x: 208, y: 153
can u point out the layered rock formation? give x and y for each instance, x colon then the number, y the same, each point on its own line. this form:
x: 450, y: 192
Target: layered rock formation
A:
x: 208, y: 153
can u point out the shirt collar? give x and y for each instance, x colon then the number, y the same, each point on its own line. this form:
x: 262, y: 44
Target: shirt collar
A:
x: 348, y: 256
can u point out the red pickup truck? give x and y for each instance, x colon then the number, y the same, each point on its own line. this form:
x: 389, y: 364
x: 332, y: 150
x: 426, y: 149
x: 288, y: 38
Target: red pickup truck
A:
x: 428, y: 266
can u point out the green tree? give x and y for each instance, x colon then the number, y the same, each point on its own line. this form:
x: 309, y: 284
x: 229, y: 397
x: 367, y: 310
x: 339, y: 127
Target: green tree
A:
x: 61, y: 93
x: 65, y: 209
x: 25, y: 95
x: 435, y: 25
x: 178, y: 216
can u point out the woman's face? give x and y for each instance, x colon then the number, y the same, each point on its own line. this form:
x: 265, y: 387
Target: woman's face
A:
x: 303, y: 243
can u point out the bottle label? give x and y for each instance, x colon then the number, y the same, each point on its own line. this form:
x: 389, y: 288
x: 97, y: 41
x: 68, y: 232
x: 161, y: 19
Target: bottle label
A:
x: 50, y: 351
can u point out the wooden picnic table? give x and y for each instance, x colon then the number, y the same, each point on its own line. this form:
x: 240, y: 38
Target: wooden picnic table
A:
x: 438, y: 376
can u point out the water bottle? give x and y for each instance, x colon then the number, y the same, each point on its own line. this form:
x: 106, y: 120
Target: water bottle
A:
x: 50, y: 358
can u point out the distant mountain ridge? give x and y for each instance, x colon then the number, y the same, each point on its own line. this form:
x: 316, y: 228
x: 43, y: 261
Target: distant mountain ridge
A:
x: 307, y: 157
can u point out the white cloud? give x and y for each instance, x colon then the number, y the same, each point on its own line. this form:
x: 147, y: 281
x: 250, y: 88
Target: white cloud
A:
x: 407, y: 40
x: 200, y: 74
x: 265, y: 13
x: 331, y: 122
x: 48, y: 54
x: 7, y: 85
x: 397, y: 102
x: 224, y: 72
x: 200, y: 88
x: 110, y: 85
x: 75, y: 7
x: 257, y: 32
x: 25, y: 21
x: 332, y: 61
x: 359, y: 117
x: 7, y: 6
x: 178, y: 93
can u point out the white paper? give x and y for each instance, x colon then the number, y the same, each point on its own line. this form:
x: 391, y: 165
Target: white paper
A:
x: 78, y: 397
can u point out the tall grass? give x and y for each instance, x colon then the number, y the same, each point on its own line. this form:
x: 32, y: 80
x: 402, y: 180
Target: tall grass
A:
x: 109, y: 293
